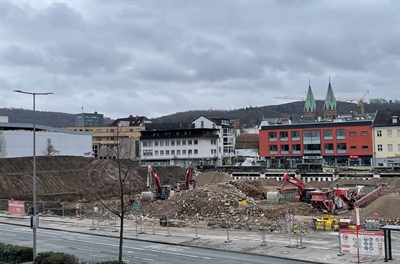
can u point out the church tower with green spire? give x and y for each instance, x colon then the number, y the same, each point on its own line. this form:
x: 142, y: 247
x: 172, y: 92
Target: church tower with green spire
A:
x: 330, y: 105
x: 310, y: 107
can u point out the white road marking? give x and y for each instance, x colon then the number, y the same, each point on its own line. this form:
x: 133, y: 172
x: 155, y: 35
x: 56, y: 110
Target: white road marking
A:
x: 85, y: 249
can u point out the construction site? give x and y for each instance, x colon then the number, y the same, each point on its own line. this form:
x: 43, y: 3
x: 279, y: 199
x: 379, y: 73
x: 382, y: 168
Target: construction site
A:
x: 183, y: 194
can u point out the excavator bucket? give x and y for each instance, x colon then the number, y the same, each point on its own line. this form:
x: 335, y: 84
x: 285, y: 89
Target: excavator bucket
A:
x: 273, y: 197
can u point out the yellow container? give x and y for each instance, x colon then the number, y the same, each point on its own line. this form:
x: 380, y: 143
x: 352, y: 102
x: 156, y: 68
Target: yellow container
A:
x: 242, y: 202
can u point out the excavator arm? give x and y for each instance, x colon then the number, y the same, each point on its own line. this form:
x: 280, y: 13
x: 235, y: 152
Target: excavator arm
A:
x: 189, y: 176
x: 296, y: 182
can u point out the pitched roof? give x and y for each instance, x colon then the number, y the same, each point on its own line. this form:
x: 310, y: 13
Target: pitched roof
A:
x: 310, y: 105
x: 131, y: 121
x: 386, y: 118
x: 330, y: 101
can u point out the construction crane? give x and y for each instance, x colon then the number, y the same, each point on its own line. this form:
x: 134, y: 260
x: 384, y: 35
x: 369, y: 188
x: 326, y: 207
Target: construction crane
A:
x: 360, y: 102
x: 294, y: 97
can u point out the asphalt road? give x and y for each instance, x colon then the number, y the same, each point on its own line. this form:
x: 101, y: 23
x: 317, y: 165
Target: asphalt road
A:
x: 92, y: 247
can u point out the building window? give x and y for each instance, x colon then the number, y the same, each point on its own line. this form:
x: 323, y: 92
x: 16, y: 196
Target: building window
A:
x: 295, y: 135
x: 390, y: 147
x: 340, y: 134
x: 161, y: 143
x: 189, y: 142
x: 379, y: 147
x: 311, y: 135
x: 195, y: 142
x: 178, y: 152
x: 284, y: 136
x: 147, y: 153
x: 379, y: 133
x: 173, y: 152
x: 98, y: 130
x: 189, y: 151
x: 111, y: 130
x: 156, y: 153
x: 184, y: 152
x: 146, y: 144
x: 365, y: 148
x: 328, y: 134
x: 183, y: 142
x: 328, y: 148
x: 213, y: 142
x: 341, y: 147
x: 285, y: 149
x: 272, y: 136
x: 161, y: 152
x: 196, y: 151
x: 166, y: 152
x: 273, y: 149
x: 353, y: 134
x: 155, y: 143
x: 202, y: 124
x: 296, y: 148
x: 167, y: 143
x: 353, y: 147
x: 398, y: 147
x: 178, y: 142
x: 389, y: 133
x: 172, y: 142
x: 364, y: 133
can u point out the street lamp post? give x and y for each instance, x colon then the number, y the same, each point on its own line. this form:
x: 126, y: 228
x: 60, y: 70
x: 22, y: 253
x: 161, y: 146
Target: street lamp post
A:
x: 34, y: 227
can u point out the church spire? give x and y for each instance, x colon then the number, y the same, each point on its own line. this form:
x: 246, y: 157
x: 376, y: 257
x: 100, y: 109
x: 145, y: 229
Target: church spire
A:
x: 310, y: 107
x: 330, y: 105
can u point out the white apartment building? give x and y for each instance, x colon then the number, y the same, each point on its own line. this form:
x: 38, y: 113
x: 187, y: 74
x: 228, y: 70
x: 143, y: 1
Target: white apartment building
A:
x: 203, y: 141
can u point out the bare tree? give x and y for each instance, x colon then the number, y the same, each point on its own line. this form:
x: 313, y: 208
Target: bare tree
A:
x: 120, y: 183
x: 49, y: 150
x: 3, y: 145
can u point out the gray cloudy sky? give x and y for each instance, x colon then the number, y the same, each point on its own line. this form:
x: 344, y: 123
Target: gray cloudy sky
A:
x: 155, y: 58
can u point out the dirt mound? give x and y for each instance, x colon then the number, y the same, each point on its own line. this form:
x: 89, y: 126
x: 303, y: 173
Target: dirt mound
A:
x: 212, y: 178
x: 70, y: 179
x: 386, y: 206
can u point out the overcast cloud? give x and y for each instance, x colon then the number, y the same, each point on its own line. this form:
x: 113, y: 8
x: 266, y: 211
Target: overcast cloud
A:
x: 156, y: 58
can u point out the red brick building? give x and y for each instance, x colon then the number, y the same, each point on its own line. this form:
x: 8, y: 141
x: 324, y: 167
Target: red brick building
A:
x: 335, y: 143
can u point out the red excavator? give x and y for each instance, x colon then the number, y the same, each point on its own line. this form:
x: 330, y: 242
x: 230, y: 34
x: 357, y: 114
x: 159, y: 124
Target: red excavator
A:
x: 189, y: 182
x: 334, y: 200
x: 302, y: 196
x: 155, y: 189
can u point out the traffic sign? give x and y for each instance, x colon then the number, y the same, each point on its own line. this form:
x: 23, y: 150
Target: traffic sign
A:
x: 135, y: 206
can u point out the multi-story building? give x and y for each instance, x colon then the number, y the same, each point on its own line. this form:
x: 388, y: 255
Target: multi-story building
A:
x: 89, y: 120
x: 386, y: 138
x: 124, y: 132
x: 178, y: 144
x: 336, y: 143
x: 202, y: 141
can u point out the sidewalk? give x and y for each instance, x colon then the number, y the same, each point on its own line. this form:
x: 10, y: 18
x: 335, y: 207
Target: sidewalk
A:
x: 316, y: 247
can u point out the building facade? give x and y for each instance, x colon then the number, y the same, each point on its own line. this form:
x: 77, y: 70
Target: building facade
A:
x: 19, y: 141
x: 386, y: 138
x: 123, y: 132
x: 89, y: 120
x: 333, y: 143
x: 178, y: 144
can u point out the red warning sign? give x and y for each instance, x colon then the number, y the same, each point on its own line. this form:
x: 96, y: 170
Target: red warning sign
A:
x: 16, y: 207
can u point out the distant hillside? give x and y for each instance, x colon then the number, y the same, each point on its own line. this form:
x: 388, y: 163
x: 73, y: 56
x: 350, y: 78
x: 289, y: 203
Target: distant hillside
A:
x: 249, y: 116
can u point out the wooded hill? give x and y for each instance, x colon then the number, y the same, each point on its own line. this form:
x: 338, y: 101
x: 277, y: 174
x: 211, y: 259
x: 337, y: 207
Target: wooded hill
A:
x: 249, y: 116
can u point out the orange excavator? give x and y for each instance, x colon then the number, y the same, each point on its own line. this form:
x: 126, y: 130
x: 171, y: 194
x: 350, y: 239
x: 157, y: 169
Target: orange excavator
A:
x: 189, y: 182
x: 155, y: 189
